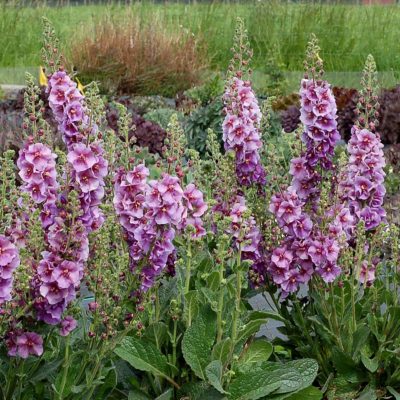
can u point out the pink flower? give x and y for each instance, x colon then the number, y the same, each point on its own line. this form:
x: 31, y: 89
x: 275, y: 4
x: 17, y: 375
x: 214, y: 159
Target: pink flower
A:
x: 68, y: 324
x: 29, y: 343
x: 282, y: 257
x: 81, y: 157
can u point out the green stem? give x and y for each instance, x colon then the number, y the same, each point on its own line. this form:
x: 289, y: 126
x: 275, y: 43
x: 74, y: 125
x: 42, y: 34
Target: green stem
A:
x: 65, y: 369
x: 238, y: 299
x: 188, y: 268
x: 10, y: 382
x: 220, y: 303
x: 174, y: 343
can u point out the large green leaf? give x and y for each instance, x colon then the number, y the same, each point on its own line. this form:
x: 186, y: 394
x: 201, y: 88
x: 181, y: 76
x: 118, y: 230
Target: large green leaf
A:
x: 258, y: 351
x: 198, y: 341
x: 222, y: 350
x: 360, y: 338
x: 214, y: 372
x: 254, y: 384
x: 143, y: 355
x: 307, y: 370
x: 199, y: 391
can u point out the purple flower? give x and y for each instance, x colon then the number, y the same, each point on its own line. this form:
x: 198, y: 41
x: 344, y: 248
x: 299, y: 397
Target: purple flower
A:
x: 68, y: 324
x: 195, y: 201
x: 282, y: 257
x: 302, y: 226
x: 318, y: 114
x: 170, y: 189
x: 329, y: 272
x: 367, y: 273
x: 66, y: 274
x: 316, y: 251
x: 26, y: 344
x: 81, y: 157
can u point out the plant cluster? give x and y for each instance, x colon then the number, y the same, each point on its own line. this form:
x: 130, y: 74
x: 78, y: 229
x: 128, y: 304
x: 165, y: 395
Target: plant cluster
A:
x: 130, y: 57
x: 125, y: 275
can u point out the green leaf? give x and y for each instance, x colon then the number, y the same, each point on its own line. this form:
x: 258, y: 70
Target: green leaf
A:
x: 253, y: 325
x: 214, y: 372
x: 199, y: 391
x: 346, y: 367
x: 258, y: 350
x: 47, y: 372
x: 393, y: 392
x: 137, y: 395
x: 310, y: 393
x: 253, y: 384
x: 369, y: 393
x: 307, y: 368
x: 109, y: 384
x: 166, y: 395
x: 191, y: 306
x: 371, y: 364
x: 360, y: 338
x: 213, y: 281
x: 221, y: 350
x: 143, y: 355
x: 198, y: 340
x: 157, y: 333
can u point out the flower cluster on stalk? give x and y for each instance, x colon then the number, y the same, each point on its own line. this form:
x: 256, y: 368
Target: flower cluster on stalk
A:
x: 151, y: 213
x: 242, y: 117
x: 363, y: 185
x: 88, y: 165
x: 307, y: 248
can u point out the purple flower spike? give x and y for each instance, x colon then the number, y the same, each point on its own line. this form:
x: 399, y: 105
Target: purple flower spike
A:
x: 241, y: 133
x: 151, y: 214
x: 9, y: 261
x: 362, y: 187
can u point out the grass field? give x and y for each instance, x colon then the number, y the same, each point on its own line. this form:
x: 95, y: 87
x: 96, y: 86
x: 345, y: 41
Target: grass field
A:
x: 348, y: 33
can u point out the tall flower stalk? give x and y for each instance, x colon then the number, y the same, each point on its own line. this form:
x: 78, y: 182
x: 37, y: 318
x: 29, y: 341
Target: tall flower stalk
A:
x: 241, y: 132
x: 363, y: 185
x: 308, y: 247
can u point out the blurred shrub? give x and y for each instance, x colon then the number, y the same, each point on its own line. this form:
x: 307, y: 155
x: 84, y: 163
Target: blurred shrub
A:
x: 281, y: 103
x: 389, y: 115
x: 143, y: 104
x: 131, y: 57
x: 162, y: 116
x: 12, y: 134
x: 199, y: 120
x: 206, y: 93
x: 346, y: 102
x: 147, y: 133
x: 275, y: 82
x: 290, y: 118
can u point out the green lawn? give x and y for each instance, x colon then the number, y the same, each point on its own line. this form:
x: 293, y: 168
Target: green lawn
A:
x: 348, y: 33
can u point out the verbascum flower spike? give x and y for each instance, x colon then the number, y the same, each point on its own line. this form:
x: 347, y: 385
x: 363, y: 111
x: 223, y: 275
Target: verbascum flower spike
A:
x: 241, y: 132
x: 318, y: 115
x: 363, y: 185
